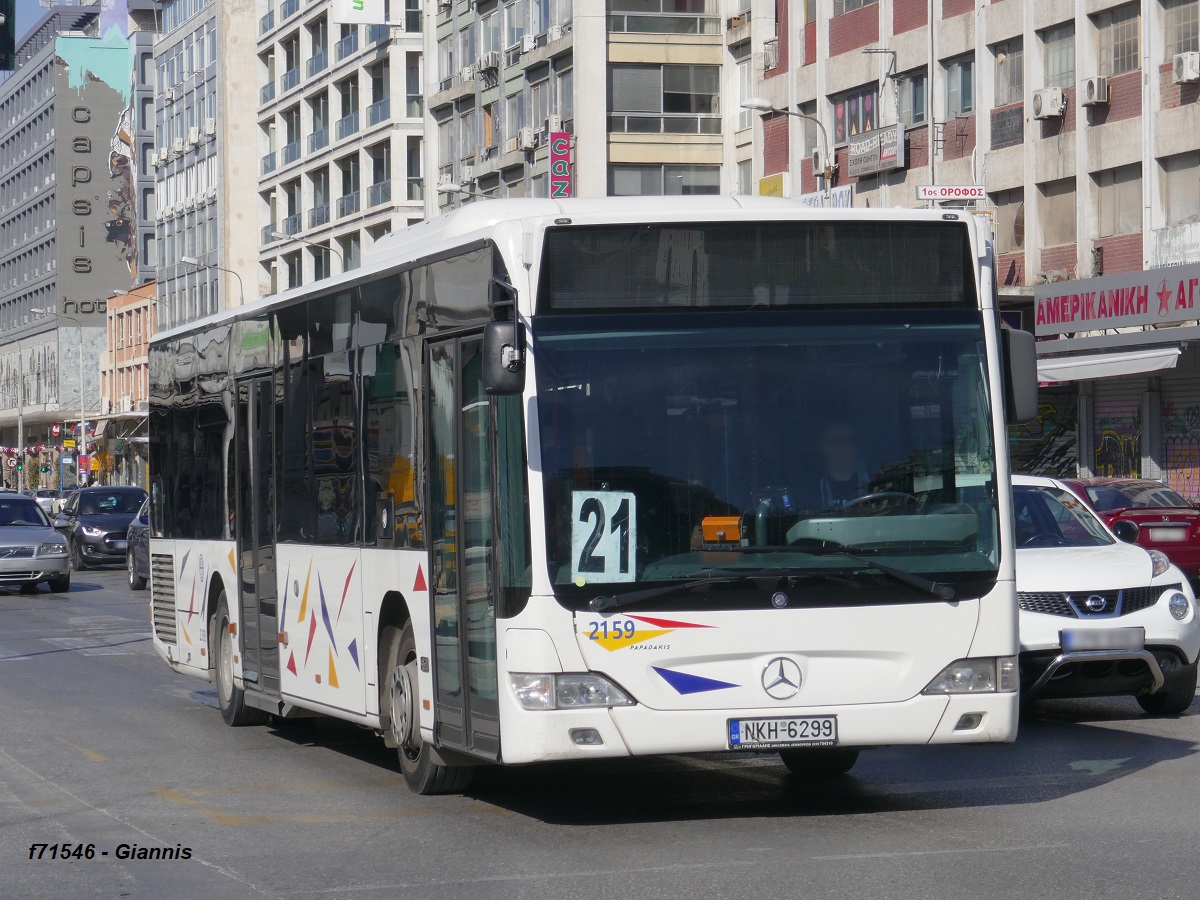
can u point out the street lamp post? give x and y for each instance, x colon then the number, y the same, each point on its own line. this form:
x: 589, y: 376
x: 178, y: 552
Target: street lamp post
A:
x: 453, y: 187
x: 82, y: 448
x: 201, y: 264
x: 762, y: 105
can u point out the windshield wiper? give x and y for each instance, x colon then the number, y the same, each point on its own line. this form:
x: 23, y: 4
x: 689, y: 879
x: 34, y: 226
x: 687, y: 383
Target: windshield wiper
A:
x: 920, y: 582
x: 600, y: 604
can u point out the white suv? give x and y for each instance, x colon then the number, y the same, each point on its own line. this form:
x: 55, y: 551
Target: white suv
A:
x: 1099, y: 616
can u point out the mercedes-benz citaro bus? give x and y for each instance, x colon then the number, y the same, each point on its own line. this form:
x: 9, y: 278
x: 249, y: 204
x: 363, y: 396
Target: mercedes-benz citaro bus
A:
x: 561, y: 480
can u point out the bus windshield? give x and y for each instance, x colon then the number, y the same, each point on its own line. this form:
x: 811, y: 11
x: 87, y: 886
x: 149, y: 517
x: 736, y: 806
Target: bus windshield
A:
x: 693, y: 445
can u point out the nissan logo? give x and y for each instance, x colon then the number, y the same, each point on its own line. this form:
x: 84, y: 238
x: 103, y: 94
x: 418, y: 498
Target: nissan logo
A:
x: 781, y: 678
x: 1095, y: 603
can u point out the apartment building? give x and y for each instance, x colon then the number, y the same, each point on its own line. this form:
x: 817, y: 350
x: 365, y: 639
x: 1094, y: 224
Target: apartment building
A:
x: 339, y: 143
x: 124, y: 385
x: 70, y: 190
x: 1079, y: 120
x: 637, y: 85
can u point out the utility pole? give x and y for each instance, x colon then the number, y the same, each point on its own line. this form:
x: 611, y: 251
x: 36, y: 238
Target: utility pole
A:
x: 20, y: 416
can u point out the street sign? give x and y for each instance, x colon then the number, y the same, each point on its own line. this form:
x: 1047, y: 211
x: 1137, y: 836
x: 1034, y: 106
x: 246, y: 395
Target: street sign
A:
x: 69, y: 442
x: 951, y: 192
x: 12, y: 462
x: 56, y: 429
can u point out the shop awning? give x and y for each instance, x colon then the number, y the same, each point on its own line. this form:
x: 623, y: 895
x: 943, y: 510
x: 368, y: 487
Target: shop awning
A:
x: 1107, y: 365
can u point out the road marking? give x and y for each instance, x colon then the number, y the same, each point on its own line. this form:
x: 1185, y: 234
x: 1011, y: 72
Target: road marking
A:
x: 91, y: 755
x: 1098, y: 766
x: 902, y: 853
x: 221, y: 817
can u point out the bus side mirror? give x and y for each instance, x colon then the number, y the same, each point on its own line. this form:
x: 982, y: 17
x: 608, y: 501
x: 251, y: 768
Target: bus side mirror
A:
x: 1020, y: 373
x: 503, y: 358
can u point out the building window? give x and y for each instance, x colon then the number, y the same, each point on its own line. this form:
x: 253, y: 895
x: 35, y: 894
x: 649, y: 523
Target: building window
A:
x: 1119, y: 40
x: 912, y: 86
x: 565, y: 99
x: 745, y: 73
x: 659, y: 180
x: 669, y: 99
x: 1058, y: 55
x: 960, y: 86
x: 514, y: 23
x: 664, y: 16
x: 1010, y: 78
x: 1119, y: 200
x: 854, y: 112
x: 1181, y: 25
x: 845, y: 6
x: 489, y: 33
x: 1058, y: 212
x: 745, y: 177
x: 1180, y: 186
x: 1010, y: 220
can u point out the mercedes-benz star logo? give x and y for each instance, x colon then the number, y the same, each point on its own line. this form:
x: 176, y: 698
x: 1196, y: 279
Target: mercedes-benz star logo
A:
x: 781, y: 678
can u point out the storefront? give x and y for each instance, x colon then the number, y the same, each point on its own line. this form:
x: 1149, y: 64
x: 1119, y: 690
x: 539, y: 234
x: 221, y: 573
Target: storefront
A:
x: 1119, y: 359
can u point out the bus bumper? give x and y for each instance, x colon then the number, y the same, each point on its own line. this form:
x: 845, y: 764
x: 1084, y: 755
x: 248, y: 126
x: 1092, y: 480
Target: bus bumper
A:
x: 534, y: 736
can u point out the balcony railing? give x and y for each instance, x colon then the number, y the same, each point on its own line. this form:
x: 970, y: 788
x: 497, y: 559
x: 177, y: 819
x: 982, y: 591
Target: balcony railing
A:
x: 318, y: 140
x: 290, y: 153
x: 380, y: 193
x: 377, y: 112
x: 267, y: 234
x: 318, y: 63
x: 346, y: 126
x: 288, y: 9
x: 414, y: 106
x: 268, y: 163
x: 348, y: 204
x: 267, y: 94
x: 377, y: 33
x: 664, y: 24
x: 290, y: 79
x: 267, y: 22
x: 346, y: 45
x: 318, y: 216
x: 673, y: 124
x: 290, y: 225
x: 416, y: 188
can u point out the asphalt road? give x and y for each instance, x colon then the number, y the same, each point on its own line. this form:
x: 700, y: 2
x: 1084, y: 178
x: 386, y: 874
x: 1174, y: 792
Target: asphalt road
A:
x: 102, y: 744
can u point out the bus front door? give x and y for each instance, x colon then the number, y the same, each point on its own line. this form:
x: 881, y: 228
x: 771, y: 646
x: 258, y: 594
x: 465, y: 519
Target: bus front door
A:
x: 254, y: 521
x: 460, y: 530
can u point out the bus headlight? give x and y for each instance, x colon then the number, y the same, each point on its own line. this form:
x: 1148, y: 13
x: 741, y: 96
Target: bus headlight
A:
x: 1161, y: 563
x: 976, y: 676
x: 570, y: 691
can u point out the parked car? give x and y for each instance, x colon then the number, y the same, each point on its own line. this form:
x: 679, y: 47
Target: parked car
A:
x: 137, y: 557
x: 47, y: 499
x: 31, y: 551
x: 96, y: 521
x: 1166, y: 521
x: 1098, y: 615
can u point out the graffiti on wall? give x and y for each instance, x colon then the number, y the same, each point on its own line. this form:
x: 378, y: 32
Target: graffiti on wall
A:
x: 1181, y: 448
x: 1118, y: 439
x: 1047, y: 445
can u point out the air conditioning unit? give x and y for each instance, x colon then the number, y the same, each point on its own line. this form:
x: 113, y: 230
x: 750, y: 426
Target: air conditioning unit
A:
x: 443, y: 5
x: 193, y: 137
x: 528, y: 43
x: 527, y: 139
x: 553, y: 123
x: 210, y: 127
x: 737, y: 21
x: 1049, y: 103
x: 1187, y: 67
x: 511, y: 145
x: 189, y: 204
x: 1094, y: 91
x: 490, y: 60
x: 555, y: 33
x: 177, y: 145
x: 154, y: 159
x: 211, y: 194
x: 466, y: 73
x: 467, y: 174
x: 169, y: 98
x: 446, y: 178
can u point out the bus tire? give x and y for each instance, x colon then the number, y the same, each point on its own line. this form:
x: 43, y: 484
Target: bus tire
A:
x: 230, y: 697
x: 398, y: 705
x: 820, y: 762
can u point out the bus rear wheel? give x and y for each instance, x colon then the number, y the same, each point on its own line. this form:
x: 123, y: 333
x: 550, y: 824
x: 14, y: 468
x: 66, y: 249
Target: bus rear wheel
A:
x: 222, y: 647
x: 399, y: 701
x: 820, y: 762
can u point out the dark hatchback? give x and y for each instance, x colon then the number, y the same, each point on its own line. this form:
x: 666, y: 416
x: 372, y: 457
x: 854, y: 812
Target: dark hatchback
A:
x: 138, y: 554
x: 96, y: 521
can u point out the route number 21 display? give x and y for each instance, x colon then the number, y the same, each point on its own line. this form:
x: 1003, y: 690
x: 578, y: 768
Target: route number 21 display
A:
x: 603, y: 536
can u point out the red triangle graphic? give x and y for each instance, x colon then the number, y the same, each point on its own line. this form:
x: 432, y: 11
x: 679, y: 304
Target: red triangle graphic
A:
x: 420, y: 584
x: 291, y: 666
x: 668, y: 623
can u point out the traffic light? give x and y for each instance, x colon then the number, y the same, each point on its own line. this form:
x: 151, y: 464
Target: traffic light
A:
x: 8, y: 35
x: 45, y: 469
x: 20, y: 466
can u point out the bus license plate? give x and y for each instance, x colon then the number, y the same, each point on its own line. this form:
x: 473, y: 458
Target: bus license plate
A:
x: 1103, y: 638
x: 792, y: 731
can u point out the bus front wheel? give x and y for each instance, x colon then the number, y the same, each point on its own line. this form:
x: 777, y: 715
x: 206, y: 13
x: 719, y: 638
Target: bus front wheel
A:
x: 222, y: 648
x: 399, y: 702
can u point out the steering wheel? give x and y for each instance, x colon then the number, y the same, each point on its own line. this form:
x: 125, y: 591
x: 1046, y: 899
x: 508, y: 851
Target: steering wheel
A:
x: 883, y: 495
x: 1056, y: 540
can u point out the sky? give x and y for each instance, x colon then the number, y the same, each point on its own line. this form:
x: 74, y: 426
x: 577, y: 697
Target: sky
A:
x: 28, y: 12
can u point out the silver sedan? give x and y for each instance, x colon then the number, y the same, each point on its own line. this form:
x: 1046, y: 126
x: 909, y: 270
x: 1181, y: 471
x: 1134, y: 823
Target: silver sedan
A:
x: 31, y: 551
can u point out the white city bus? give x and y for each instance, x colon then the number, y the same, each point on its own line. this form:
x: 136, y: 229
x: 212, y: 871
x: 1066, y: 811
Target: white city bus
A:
x: 550, y: 480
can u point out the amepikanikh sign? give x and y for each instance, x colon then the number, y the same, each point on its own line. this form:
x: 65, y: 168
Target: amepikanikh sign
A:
x: 1151, y: 297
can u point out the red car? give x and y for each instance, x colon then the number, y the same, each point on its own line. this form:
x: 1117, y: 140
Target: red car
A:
x: 1165, y: 521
